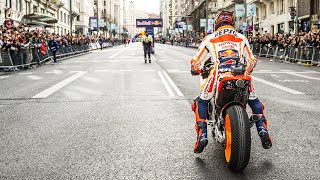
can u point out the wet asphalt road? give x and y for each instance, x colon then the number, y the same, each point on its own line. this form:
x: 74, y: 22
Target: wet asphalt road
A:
x: 107, y: 115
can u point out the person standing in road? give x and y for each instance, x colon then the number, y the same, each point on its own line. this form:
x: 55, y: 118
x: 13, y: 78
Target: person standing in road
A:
x: 100, y: 42
x: 146, y: 41
x: 54, y: 46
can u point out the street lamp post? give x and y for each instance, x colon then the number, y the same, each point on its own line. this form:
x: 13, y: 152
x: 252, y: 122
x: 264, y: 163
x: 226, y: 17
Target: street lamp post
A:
x: 97, y: 17
x: 297, y: 18
x: 206, y: 29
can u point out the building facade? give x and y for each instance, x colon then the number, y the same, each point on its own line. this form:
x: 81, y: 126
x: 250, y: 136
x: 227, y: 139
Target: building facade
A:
x: 130, y: 19
x: 273, y: 16
x: 64, y: 11
x: 86, y: 10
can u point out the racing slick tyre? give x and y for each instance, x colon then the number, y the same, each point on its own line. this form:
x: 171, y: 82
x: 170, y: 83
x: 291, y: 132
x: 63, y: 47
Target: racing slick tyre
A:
x: 238, y: 138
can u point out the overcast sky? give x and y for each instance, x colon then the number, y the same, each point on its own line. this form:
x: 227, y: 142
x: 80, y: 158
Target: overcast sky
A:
x: 150, y: 6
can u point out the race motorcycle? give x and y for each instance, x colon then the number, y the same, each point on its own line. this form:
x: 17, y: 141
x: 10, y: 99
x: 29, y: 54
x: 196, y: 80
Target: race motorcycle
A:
x: 227, y: 113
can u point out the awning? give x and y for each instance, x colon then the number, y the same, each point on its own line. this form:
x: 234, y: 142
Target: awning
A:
x: 42, y: 24
x: 41, y: 17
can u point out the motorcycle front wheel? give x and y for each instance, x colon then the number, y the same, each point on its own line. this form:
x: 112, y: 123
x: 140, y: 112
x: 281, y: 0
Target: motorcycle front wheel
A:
x: 238, y: 138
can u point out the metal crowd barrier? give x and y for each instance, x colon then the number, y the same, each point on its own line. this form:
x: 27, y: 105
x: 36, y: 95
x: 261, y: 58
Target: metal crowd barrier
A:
x: 309, y: 54
x: 24, y: 58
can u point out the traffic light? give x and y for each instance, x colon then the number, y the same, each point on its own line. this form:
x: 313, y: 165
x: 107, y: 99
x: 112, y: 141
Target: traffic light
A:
x: 293, y: 12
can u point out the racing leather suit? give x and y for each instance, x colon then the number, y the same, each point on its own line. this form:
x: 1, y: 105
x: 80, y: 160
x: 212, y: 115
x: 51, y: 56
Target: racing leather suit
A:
x: 225, y: 42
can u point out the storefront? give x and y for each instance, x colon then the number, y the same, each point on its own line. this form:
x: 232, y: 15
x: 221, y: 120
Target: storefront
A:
x: 305, y: 25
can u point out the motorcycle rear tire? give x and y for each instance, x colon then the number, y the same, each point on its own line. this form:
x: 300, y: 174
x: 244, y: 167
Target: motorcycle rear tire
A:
x: 238, y: 138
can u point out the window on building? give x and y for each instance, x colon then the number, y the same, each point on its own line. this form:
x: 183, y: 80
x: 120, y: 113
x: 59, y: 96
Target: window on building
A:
x: 8, y: 3
x: 58, y: 15
x: 65, y: 18
x: 280, y: 7
x: 27, y: 7
x: 291, y: 3
x: 68, y: 19
x: 271, y: 8
x: 105, y: 3
x: 315, y: 8
x: 42, y: 11
x: 35, y: 9
x: 65, y: 31
x: 78, y: 18
x: 264, y: 11
x: 18, y: 5
x: 61, y: 17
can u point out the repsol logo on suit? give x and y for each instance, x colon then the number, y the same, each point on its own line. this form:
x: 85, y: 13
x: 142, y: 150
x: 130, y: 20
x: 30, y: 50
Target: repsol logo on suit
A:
x: 225, y: 31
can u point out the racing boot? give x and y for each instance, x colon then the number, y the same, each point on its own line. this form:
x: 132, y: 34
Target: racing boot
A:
x: 261, y: 122
x: 261, y: 125
x: 200, y: 107
x: 202, y: 140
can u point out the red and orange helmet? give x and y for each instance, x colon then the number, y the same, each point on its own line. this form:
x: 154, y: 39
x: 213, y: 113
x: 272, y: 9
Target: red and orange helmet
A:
x: 223, y: 18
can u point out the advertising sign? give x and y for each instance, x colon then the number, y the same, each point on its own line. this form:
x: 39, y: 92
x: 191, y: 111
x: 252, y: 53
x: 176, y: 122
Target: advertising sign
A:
x: 149, y: 22
x: 240, y: 10
x: 93, y: 23
x: 252, y: 10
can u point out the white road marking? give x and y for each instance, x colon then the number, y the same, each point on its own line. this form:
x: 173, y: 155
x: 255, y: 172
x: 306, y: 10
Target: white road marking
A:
x: 295, y: 80
x: 153, y: 58
x: 262, y: 70
x: 149, y: 70
x: 176, y: 71
x: 58, y: 86
x: 32, y: 77
x: 118, y: 60
x: 277, y: 86
x: 303, y: 76
x: 101, y: 70
x: 4, y: 77
x: 162, y: 60
x: 173, y: 70
x: 173, y: 84
x: 55, y: 71
x: 125, y: 70
x: 165, y: 83
x: 129, y: 57
x: 26, y: 73
x: 275, y: 75
x: 116, y: 54
x: 140, y: 83
x: 285, y: 70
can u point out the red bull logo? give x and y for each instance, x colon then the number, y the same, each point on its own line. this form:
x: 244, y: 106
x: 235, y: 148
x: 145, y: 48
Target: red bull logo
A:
x: 228, y: 54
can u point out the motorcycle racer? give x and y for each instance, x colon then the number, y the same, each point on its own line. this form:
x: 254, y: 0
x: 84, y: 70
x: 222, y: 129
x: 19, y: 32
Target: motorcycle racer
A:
x: 224, y: 45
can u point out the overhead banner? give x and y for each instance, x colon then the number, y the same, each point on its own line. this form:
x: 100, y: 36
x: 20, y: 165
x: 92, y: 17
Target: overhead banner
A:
x: 240, y: 10
x: 252, y: 10
x: 149, y: 22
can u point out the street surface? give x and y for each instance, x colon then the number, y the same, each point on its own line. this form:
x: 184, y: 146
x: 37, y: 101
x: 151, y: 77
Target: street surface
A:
x: 107, y: 115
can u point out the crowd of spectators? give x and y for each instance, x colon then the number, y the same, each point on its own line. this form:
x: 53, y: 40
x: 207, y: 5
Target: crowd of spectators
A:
x: 19, y: 41
x: 304, y: 39
x: 179, y: 40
